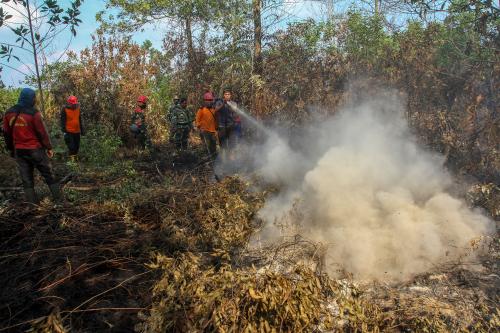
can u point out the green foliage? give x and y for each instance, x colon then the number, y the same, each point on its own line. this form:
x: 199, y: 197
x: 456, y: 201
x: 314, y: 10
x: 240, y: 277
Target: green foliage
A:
x: 132, y: 183
x: 99, y: 145
x: 145, y: 10
x: 367, y: 40
x: 8, y: 97
x: 464, y: 43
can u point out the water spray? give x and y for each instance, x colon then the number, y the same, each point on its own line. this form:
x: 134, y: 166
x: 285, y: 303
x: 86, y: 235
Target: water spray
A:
x: 250, y: 119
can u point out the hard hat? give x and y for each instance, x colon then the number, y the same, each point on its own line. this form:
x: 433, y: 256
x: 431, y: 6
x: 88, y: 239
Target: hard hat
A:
x: 208, y: 96
x: 72, y: 100
x: 142, y: 99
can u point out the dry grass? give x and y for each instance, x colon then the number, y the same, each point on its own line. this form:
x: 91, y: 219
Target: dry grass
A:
x: 174, y: 257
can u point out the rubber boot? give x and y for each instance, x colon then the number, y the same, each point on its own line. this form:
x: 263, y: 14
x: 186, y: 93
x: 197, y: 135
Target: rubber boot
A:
x: 55, y: 190
x: 30, y: 196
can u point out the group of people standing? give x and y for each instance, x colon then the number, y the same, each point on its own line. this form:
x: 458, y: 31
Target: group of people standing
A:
x: 28, y: 141
x: 216, y: 120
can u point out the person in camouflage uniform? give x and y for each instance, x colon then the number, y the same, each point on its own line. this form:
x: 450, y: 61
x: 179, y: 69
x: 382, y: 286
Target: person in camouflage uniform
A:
x: 182, y: 123
x: 138, y: 126
x: 170, y: 114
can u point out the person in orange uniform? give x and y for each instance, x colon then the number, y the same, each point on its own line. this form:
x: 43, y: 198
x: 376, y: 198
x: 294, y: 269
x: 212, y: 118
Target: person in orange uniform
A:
x: 207, y: 124
x: 71, y: 126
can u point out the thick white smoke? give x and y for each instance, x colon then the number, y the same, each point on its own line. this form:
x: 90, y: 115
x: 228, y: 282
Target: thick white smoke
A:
x: 363, y: 187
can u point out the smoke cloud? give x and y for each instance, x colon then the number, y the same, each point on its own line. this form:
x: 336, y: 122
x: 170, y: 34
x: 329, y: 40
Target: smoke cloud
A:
x: 361, y: 185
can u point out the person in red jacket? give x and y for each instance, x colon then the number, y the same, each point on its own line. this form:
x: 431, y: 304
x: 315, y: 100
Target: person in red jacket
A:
x: 138, y: 126
x: 29, y: 143
x: 71, y: 126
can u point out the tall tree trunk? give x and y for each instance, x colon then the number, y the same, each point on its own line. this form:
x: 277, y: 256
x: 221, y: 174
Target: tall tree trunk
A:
x: 189, y: 40
x: 257, y: 56
x: 35, y: 56
x: 257, y: 37
x: 192, y: 65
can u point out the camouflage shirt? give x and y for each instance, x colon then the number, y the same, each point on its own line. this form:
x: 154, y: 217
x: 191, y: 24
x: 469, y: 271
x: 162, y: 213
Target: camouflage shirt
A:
x: 181, y: 118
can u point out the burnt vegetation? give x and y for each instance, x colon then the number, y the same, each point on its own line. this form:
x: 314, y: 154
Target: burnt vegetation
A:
x: 147, y: 241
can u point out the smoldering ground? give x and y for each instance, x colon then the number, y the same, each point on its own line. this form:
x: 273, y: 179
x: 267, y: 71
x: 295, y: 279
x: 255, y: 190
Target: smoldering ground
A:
x: 361, y: 185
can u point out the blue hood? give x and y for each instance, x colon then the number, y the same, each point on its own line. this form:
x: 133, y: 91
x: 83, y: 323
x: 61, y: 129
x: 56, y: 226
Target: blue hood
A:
x: 26, y: 98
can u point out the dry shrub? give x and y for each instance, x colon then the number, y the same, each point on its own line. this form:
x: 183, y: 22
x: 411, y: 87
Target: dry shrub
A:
x: 225, y: 218
x: 50, y: 324
x: 203, y: 280
x: 486, y: 196
x: 196, y: 216
x: 452, y: 96
x: 107, y: 78
x: 194, y: 298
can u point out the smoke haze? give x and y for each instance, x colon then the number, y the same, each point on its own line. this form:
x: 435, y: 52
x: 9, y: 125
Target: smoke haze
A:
x: 360, y: 184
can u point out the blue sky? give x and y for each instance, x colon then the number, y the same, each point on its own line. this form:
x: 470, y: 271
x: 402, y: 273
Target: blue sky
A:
x: 82, y: 40
x: 298, y: 10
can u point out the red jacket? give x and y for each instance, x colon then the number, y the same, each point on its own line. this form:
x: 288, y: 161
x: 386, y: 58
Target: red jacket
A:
x: 28, y: 132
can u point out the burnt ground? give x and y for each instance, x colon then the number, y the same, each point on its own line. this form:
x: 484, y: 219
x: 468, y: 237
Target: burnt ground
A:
x: 84, y: 266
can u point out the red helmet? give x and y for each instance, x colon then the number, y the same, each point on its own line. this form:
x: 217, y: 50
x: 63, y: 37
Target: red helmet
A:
x: 72, y: 100
x: 142, y: 99
x: 208, y: 96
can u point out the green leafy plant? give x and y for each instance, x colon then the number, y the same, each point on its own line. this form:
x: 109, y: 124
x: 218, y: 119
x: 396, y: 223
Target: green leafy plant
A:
x: 37, y: 30
x: 99, y: 145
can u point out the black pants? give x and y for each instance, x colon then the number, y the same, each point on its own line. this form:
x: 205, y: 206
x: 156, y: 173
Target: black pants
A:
x: 28, y: 160
x: 142, y: 138
x: 226, y: 138
x: 72, y: 141
x: 181, y: 137
x: 210, y: 142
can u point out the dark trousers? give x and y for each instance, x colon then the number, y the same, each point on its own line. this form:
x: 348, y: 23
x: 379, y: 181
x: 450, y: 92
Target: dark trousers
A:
x: 142, y: 138
x: 237, y: 131
x: 210, y: 142
x: 181, y: 137
x: 28, y: 160
x: 171, y: 135
x: 226, y: 137
x: 72, y: 141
